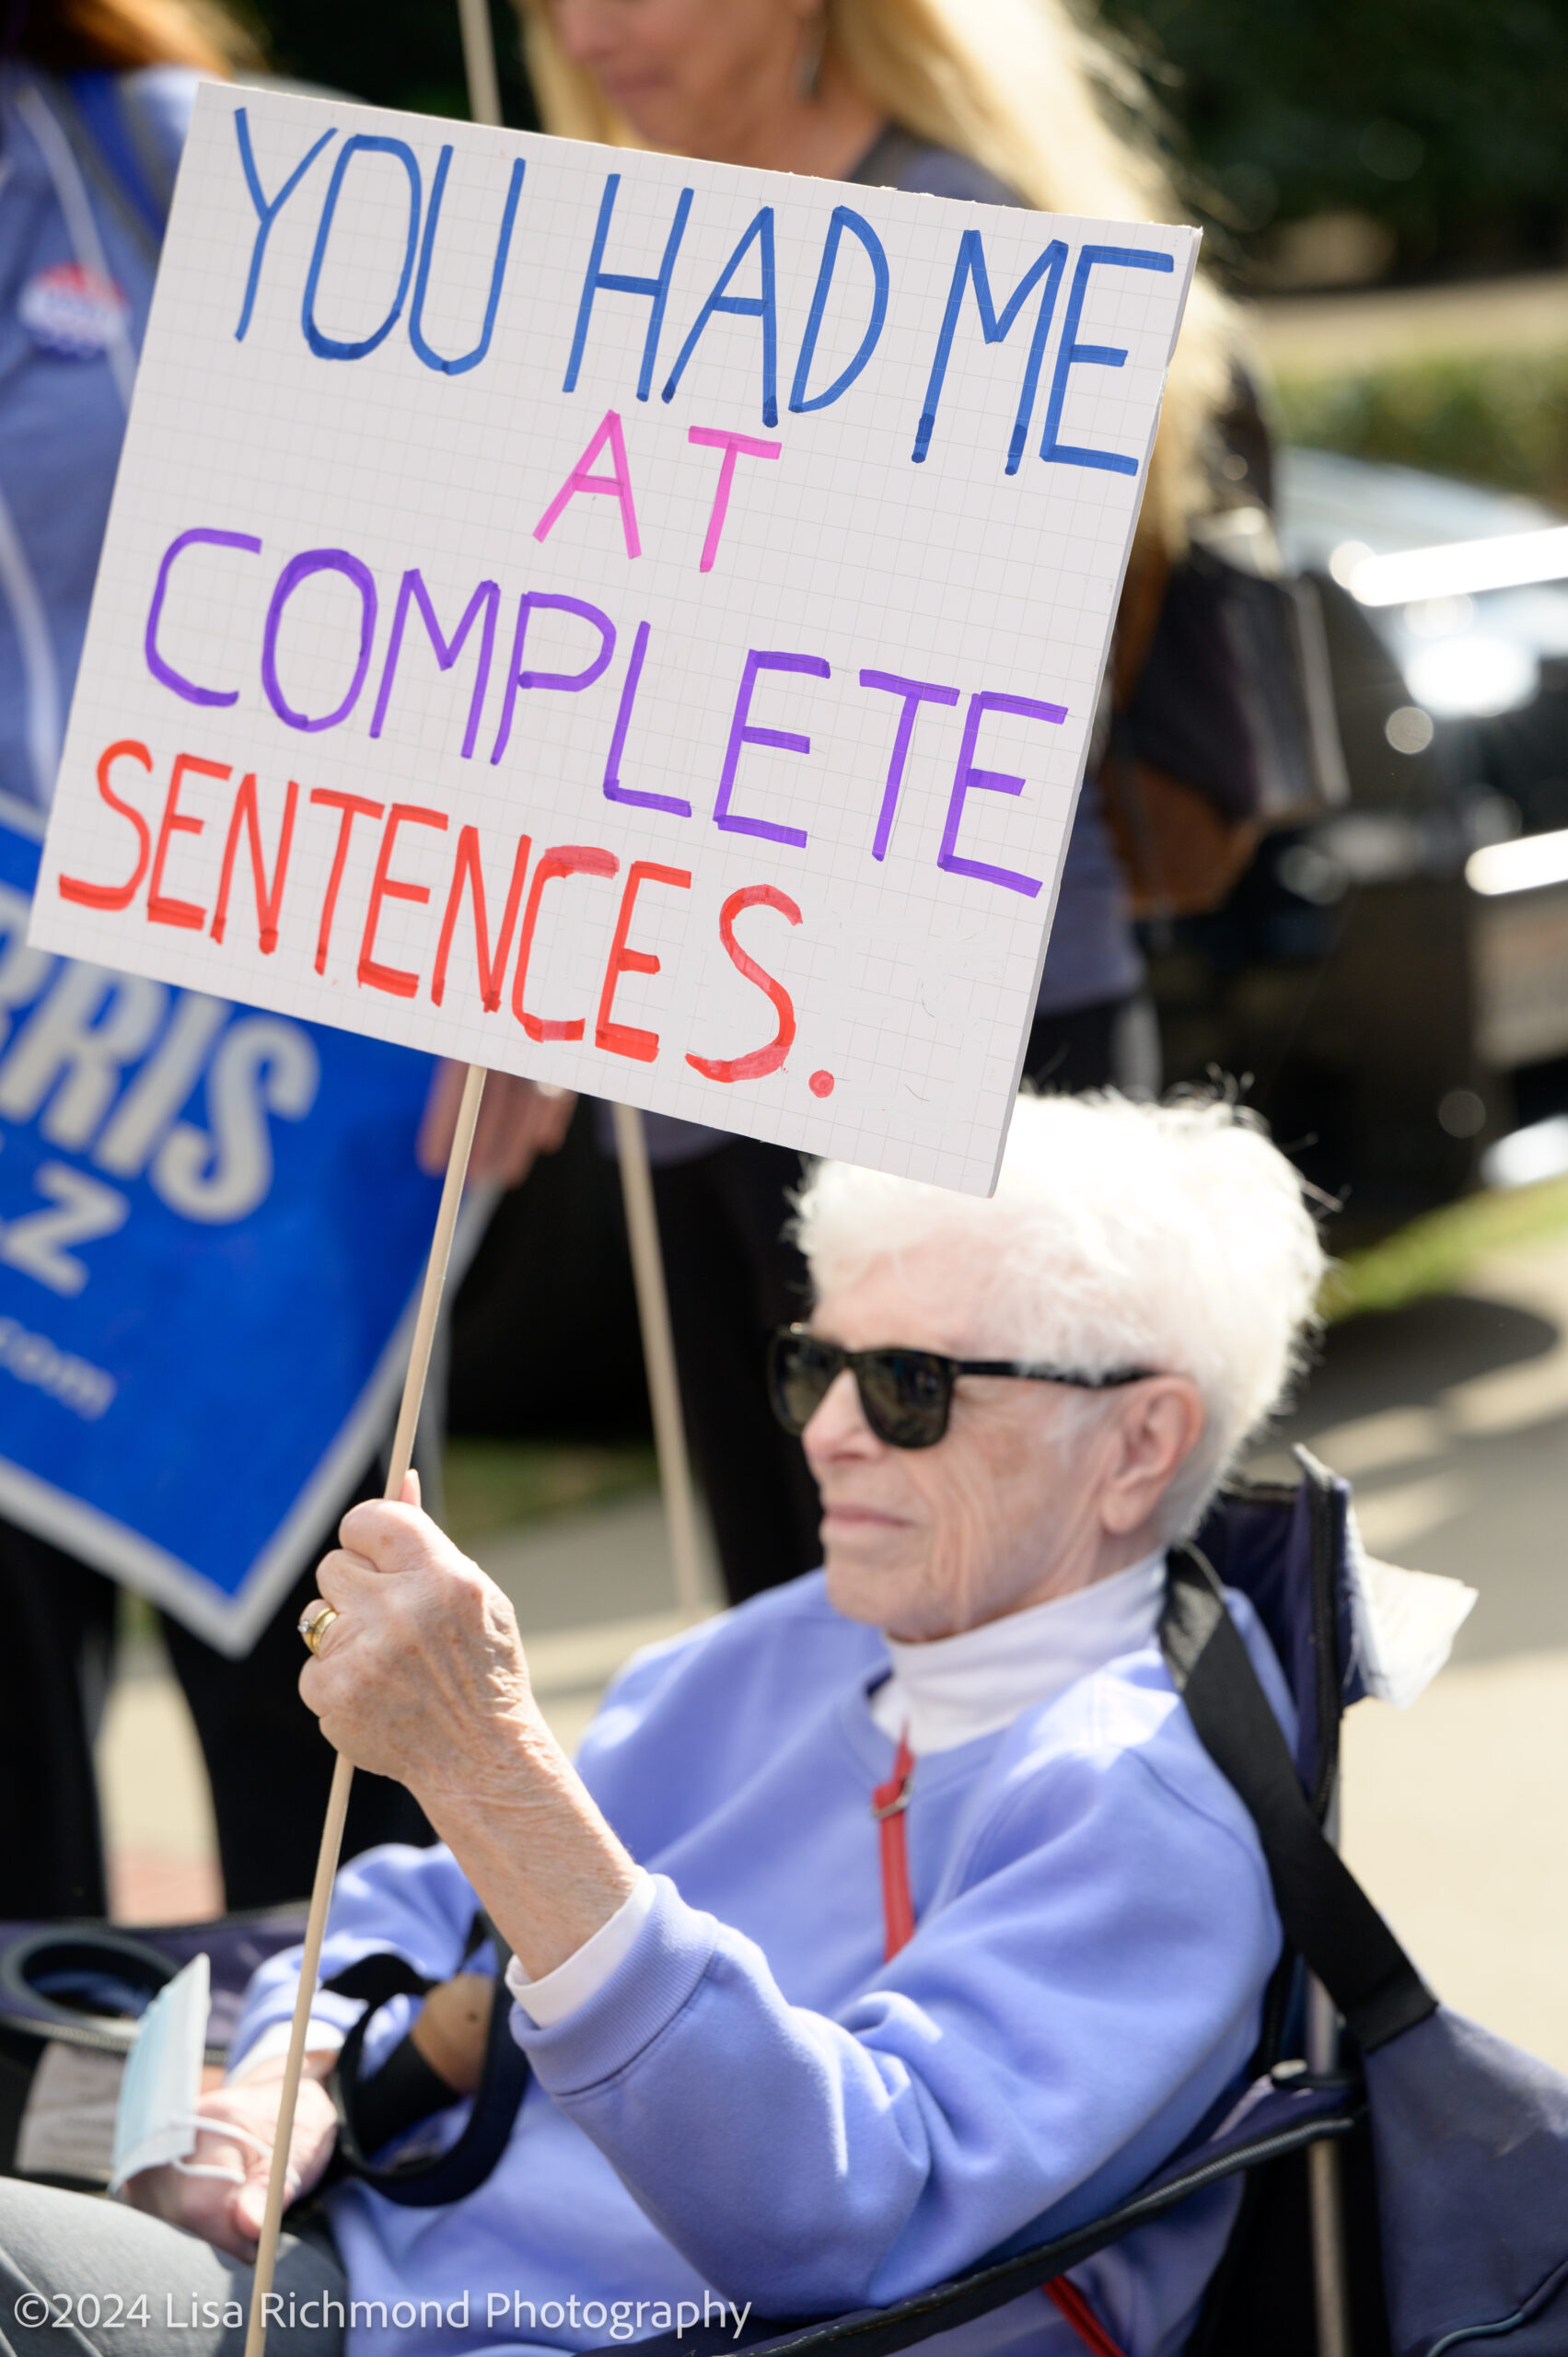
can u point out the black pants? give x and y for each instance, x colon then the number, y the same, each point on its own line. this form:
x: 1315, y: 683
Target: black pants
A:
x: 733, y: 1277
x: 266, y: 1760
x: 58, y: 1620
x: 1112, y: 1044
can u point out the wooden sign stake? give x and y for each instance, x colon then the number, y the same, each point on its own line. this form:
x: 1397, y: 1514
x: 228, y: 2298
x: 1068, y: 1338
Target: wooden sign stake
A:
x: 343, y: 1772
x: 479, y: 60
x: 658, y: 1353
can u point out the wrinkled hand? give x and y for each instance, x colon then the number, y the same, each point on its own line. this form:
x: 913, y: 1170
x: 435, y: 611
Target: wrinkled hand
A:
x: 221, y: 2210
x: 422, y: 1676
x: 518, y: 1121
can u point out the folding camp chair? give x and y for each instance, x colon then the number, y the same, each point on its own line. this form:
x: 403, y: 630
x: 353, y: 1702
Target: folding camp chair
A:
x: 1299, y: 2277
x: 83, y: 1984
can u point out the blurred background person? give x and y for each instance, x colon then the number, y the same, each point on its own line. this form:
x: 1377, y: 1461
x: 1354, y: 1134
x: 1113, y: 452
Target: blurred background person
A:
x: 94, y: 103
x: 95, y: 100
x: 1003, y: 102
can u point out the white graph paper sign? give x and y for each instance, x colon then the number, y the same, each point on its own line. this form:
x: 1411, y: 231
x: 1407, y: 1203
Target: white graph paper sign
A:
x: 631, y: 621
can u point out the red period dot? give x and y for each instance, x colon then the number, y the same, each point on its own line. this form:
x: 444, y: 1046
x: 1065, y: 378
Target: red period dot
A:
x: 821, y: 1083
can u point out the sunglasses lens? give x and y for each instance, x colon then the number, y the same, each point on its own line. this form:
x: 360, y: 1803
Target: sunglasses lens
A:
x: 906, y: 1395
x: 800, y: 1372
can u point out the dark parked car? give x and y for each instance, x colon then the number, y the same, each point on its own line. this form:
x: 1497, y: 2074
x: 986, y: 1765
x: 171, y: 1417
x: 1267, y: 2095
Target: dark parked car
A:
x: 1395, y: 977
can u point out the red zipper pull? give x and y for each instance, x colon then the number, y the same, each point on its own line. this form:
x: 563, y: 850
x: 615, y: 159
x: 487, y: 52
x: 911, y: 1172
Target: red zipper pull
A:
x: 889, y: 1803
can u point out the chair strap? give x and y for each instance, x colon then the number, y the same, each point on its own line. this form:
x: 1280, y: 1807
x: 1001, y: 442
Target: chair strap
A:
x: 1328, y: 1918
x: 427, y: 2182
x: 376, y: 1978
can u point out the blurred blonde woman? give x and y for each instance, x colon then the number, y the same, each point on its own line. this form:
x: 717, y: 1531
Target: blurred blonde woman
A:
x: 1004, y: 102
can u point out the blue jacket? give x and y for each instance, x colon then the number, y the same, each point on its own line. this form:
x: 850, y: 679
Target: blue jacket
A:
x: 756, y: 2106
x: 87, y: 170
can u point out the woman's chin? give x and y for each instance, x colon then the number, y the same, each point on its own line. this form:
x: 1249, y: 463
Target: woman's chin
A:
x: 865, y: 1583
x: 655, y: 116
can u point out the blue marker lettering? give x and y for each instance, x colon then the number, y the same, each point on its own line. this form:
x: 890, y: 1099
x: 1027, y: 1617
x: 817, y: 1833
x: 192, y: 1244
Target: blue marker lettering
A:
x: 431, y: 358
x: 1091, y: 355
x: 842, y: 219
x: 267, y: 209
x: 762, y: 306
x: 328, y: 347
x: 994, y: 327
x: 617, y: 282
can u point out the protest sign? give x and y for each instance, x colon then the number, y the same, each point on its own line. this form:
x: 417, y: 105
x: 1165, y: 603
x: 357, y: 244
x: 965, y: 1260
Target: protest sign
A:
x: 194, y: 1277
x: 632, y: 621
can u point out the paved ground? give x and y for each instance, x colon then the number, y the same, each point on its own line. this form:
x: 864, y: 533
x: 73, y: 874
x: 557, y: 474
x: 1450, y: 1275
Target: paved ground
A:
x: 1452, y: 1418
x: 158, y: 1817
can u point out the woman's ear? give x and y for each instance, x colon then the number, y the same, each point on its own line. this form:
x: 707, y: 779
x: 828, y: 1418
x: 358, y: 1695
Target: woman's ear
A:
x: 1161, y: 1423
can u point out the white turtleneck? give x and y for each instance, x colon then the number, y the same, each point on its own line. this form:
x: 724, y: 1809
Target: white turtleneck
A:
x: 951, y: 1689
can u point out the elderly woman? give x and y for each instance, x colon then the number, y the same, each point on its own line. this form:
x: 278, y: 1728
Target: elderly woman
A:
x: 765, y: 2070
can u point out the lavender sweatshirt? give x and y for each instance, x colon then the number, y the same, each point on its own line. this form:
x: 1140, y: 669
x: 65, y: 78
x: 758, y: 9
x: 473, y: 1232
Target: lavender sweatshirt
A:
x: 755, y: 2107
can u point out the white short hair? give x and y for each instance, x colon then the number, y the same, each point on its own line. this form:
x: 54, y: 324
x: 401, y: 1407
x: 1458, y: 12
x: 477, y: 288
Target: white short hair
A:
x: 1170, y: 1236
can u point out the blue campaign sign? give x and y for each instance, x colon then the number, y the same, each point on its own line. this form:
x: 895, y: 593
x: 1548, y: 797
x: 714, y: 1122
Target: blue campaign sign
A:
x: 212, y: 1227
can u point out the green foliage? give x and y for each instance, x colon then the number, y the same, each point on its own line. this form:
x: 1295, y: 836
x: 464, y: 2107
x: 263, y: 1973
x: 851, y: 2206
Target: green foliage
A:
x: 1443, y: 118
x: 1499, y: 418
x: 1436, y: 1253
x: 394, y: 52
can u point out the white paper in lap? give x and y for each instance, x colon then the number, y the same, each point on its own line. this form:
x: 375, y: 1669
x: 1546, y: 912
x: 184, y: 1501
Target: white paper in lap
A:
x: 690, y: 706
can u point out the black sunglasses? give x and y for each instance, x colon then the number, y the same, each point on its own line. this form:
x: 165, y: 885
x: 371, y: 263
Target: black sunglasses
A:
x: 906, y: 1395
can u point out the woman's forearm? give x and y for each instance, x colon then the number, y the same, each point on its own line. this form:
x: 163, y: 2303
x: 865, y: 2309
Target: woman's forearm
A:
x: 532, y: 1842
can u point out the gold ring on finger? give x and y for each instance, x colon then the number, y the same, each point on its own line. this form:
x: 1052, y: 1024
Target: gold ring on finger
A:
x: 315, y: 1621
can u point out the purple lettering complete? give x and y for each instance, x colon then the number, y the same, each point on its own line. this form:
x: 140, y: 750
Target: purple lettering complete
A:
x: 782, y: 740
x: 915, y: 693
x: 165, y: 672
x: 970, y: 778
